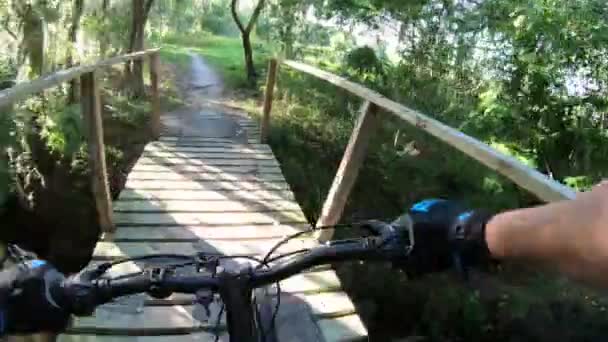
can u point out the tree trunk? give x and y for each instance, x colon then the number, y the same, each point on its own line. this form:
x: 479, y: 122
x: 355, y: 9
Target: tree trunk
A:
x: 138, y: 69
x: 289, y: 49
x: 249, y: 66
x: 73, y: 37
x: 246, y: 36
x: 103, y: 35
x: 132, y: 73
x: 141, y: 12
x: 287, y: 38
x: 136, y: 5
x: 33, y: 47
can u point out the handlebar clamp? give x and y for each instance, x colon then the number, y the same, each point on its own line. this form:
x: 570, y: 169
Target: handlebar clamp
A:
x: 157, y: 277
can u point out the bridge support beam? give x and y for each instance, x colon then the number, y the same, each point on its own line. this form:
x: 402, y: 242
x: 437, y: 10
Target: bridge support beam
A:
x: 348, y: 170
x: 91, y: 112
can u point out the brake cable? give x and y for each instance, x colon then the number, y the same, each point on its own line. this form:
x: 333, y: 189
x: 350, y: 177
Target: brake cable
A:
x: 267, y: 259
x: 298, y: 234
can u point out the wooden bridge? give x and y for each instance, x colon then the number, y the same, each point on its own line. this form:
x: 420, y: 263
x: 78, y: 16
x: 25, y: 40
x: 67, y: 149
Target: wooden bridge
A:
x: 227, y: 195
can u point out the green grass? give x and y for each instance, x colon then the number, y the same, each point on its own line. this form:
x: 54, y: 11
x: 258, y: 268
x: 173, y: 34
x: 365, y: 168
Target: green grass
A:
x: 224, y: 53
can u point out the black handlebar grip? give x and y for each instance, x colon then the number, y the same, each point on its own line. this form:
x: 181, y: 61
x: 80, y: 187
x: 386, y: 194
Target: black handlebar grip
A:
x: 79, y: 298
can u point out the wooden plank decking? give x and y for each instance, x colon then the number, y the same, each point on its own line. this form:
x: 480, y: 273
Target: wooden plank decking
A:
x: 188, y: 195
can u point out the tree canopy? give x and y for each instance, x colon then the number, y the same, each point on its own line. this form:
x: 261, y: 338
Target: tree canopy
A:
x: 533, y: 71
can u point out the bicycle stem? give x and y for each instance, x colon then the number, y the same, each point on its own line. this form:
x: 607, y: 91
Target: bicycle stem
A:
x: 236, y: 293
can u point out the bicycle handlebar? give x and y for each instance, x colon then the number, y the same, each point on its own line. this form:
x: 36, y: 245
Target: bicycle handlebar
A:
x: 83, y: 294
x: 360, y: 250
x: 113, y: 288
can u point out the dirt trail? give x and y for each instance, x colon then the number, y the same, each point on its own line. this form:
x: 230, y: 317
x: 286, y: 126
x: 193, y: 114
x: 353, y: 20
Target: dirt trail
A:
x: 201, y: 118
x: 204, y: 81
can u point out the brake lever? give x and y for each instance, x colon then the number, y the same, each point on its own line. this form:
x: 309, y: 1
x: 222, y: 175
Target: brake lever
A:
x: 398, y: 229
x: 405, y: 223
x: 19, y: 254
x: 376, y: 227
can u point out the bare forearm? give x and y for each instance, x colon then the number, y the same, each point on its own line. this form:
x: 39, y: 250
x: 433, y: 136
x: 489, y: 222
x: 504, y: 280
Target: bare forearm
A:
x: 573, y: 235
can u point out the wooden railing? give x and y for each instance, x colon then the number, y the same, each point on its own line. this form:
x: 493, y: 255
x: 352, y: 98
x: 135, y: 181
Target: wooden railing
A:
x: 528, y: 178
x: 91, y: 113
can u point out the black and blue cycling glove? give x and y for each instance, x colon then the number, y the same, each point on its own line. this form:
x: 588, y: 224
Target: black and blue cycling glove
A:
x: 447, y: 235
x: 28, y: 299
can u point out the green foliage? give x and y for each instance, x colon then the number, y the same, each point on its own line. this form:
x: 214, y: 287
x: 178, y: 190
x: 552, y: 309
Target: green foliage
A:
x: 551, y: 92
x: 62, y: 129
x: 109, y: 30
x: 460, y: 304
x: 474, y: 315
x: 133, y: 112
x: 580, y: 183
x: 114, y: 157
x: 4, y: 182
x: 216, y: 19
x: 7, y: 139
x: 286, y: 23
x: 364, y: 59
x: 528, y: 74
x: 312, y: 122
x: 8, y: 72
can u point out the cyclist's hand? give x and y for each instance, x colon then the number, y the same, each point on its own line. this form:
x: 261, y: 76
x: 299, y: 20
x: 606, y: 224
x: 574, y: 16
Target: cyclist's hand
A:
x: 447, y: 235
x: 28, y: 293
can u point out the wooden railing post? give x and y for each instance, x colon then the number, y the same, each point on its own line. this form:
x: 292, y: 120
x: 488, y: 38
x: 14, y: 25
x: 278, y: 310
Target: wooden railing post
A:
x: 268, y: 97
x: 91, y: 111
x: 154, y: 79
x: 348, y: 170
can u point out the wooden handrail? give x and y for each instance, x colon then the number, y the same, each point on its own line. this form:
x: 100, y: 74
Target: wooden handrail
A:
x: 526, y: 177
x: 22, y: 90
x: 523, y: 175
x: 91, y: 112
